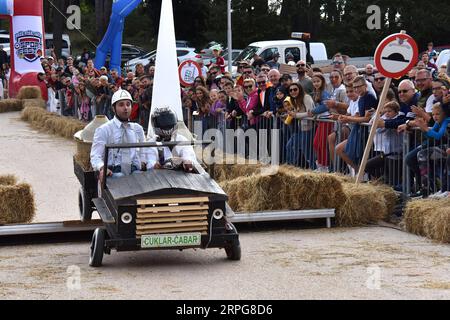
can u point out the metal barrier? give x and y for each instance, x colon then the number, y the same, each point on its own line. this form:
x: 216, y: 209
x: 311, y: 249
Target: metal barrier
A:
x: 409, y: 162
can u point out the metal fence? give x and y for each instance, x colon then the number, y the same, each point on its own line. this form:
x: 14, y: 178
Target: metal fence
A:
x: 410, y: 162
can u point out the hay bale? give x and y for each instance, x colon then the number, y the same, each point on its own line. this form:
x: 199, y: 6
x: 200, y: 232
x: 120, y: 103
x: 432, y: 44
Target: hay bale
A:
x: 8, y: 180
x: 37, y: 103
x: 10, y: 105
x: 364, y: 204
x: 429, y: 218
x: 16, y: 204
x: 29, y: 92
x: 288, y: 189
x: 52, y: 123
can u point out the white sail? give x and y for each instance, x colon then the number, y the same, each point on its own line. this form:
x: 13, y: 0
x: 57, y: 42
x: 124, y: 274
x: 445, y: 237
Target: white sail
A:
x: 166, y: 84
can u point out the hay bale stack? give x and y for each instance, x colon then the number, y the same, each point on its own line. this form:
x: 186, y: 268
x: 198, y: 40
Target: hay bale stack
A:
x: 51, y: 123
x: 10, y: 105
x: 29, y: 92
x: 37, y: 103
x: 16, y: 201
x: 289, y: 189
x: 429, y: 218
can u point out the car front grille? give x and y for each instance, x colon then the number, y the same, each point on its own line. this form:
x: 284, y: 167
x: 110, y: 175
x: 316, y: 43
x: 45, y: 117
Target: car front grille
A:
x: 172, y: 215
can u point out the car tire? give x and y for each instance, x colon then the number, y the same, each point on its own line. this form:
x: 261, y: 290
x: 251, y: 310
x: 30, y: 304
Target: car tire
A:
x: 97, y: 248
x: 85, y: 205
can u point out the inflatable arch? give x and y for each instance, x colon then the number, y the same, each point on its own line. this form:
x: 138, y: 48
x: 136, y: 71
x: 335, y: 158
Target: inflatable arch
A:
x: 112, y: 41
x: 27, y: 42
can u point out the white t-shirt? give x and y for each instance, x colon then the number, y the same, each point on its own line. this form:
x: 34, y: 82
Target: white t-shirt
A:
x: 430, y: 103
x: 186, y: 153
x: 353, y: 108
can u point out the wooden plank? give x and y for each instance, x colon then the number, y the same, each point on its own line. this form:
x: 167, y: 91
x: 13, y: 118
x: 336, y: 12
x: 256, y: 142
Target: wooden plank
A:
x: 204, y: 231
x: 171, y: 219
x: 171, y: 214
x: 172, y: 209
x: 172, y: 225
x: 172, y: 201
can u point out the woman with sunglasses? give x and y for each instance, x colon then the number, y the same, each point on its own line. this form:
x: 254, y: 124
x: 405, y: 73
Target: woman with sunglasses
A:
x: 248, y: 101
x: 301, y: 131
x: 199, y: 82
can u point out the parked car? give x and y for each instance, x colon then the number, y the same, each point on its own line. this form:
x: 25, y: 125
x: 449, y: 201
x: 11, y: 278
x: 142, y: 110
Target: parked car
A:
x: 443, y: 58
x: 235, y: 54
x: 207, y: 51
x: 66, y: 45
x: 183, y: 54
x: 183, y: 44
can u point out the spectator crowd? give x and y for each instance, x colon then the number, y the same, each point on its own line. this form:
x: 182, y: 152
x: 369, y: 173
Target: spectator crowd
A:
x: 324, y: 118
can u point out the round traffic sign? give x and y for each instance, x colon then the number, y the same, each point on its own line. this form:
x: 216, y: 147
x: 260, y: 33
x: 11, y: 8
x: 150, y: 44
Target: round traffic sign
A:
x: 188, y: 71
x: 396, y: 55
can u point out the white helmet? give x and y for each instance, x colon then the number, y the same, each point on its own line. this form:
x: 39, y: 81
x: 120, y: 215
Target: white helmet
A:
x: 121, y: 95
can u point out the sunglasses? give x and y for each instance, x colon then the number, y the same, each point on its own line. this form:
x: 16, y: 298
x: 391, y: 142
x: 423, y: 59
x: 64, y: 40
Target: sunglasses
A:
x: 301, y: 65
x: 248, y: 72
x: 338, y: 62
x: 261, y: 82
x: 265, y: 69
x: 248, y: 87
x: 293, y: 90
x: 403, y: 91
x: 380, y: 79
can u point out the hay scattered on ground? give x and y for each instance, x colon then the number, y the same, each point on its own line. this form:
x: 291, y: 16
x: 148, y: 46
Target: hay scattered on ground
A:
x: 8, y: 180
x: 52, y: 123
x: 16, y: 201
x: 29, y: 92
x: 10, y: 105
x: 429, y: 218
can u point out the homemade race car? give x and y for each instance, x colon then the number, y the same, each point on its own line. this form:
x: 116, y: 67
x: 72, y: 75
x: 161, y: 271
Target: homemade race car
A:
x: 157, y: 209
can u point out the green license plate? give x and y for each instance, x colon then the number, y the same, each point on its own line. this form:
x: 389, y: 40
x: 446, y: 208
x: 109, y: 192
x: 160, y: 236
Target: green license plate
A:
x: 171, y: 240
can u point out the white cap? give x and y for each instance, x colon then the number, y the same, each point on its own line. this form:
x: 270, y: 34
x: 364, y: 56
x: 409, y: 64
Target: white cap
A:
x: 121, y: 95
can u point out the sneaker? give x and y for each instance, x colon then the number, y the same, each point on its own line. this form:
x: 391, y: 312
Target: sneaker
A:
x: 442, y: 195
x: 436, y: 195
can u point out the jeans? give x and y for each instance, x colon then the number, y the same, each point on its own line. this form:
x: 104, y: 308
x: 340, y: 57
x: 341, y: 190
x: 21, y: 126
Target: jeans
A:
x: 300, y: 143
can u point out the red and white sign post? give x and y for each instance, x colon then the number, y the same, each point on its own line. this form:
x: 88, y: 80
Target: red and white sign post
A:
x: 188, y: 71
x: 395, y: 56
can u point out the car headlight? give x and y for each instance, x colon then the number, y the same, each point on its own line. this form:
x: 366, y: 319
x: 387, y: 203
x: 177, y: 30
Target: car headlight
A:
x: 218, y: 214
x: 126, y: 218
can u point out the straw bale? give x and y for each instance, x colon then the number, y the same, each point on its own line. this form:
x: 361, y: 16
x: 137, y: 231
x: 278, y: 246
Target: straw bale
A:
x: 29, y: 92
x: 364, y: 204
x: 16, y: 204
x: 38, y: 103
x: 10, y: 105
x: 52, y: 123
x: 429, y: 218
x: 288, y: 189
x: 8, y: 180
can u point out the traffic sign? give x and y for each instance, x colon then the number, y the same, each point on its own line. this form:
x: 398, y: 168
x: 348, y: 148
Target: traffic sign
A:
x: 396, y: 55
x: 188, y: 71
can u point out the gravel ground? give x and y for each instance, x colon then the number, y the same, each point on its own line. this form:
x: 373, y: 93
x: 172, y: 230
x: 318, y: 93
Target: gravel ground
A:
x: 358, y: 263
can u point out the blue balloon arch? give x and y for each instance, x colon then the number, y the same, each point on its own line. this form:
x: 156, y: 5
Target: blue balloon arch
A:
x: 112, y: 41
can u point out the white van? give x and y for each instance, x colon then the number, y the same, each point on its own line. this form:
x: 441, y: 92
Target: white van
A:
x: 266, y: 49
x: 318, y: 51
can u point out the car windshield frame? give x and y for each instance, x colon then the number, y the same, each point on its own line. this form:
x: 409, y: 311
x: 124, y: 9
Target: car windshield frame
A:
x: 246, y: 54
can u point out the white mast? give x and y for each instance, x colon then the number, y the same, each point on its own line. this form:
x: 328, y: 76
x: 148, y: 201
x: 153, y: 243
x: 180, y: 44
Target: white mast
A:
x: 166, y: 84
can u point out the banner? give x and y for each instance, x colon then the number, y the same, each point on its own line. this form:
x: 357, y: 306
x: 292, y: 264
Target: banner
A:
x: 28, y: 43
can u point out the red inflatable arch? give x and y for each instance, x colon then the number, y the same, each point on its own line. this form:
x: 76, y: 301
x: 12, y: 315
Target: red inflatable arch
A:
x: 26, y: 22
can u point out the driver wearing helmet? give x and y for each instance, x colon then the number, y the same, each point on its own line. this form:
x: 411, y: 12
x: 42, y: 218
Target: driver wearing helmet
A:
x: 119, y: 130
x: 164, y: 122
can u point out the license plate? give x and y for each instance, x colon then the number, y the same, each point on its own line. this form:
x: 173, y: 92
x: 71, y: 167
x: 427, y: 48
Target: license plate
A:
x: 171, y: 240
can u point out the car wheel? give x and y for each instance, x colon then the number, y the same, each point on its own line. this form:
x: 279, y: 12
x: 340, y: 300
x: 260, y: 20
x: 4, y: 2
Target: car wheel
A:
x: 97, y: 248
x: 85, y: 205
